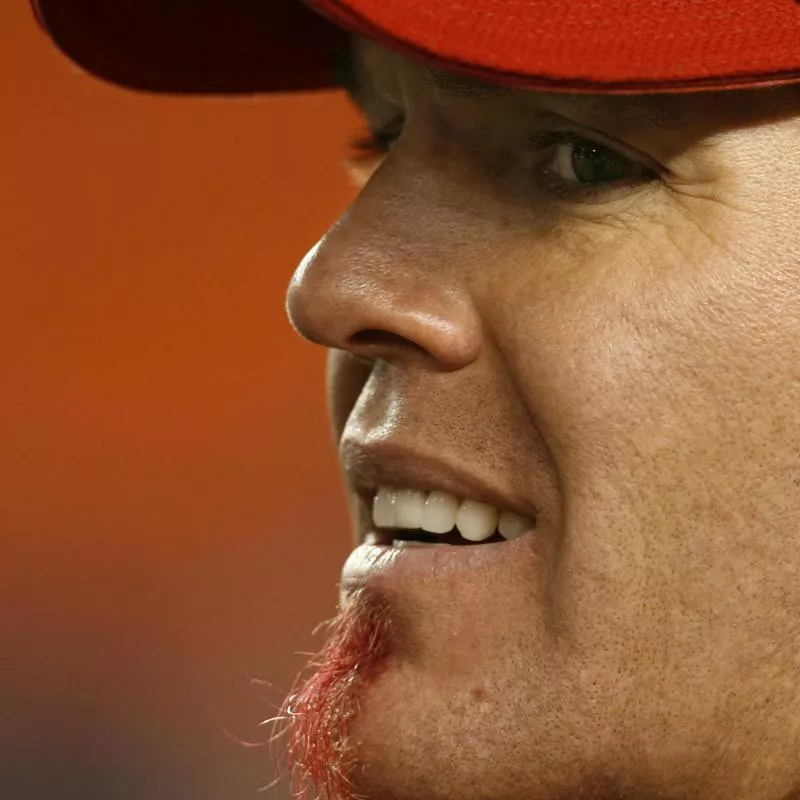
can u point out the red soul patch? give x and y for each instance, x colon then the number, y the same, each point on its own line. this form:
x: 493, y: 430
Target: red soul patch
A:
x: 319, y: 713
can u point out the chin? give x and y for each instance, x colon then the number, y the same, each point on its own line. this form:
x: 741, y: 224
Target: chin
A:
x: 441, y: 725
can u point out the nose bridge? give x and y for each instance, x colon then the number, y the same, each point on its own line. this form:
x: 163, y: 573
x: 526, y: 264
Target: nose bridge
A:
x: 381, y: 284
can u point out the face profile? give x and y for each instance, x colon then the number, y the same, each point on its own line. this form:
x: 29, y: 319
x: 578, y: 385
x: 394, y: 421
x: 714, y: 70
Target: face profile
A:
x: 562, y: 319
x: 573, y: 320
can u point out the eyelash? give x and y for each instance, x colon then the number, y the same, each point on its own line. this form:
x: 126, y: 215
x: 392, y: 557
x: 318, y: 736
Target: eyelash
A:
x: 377, y: 143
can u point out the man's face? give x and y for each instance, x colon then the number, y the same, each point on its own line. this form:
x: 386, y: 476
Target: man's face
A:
x: 584, y: 310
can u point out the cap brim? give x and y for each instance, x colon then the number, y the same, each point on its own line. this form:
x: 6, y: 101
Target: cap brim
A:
x: 196, y: 46
x: 618, y: 46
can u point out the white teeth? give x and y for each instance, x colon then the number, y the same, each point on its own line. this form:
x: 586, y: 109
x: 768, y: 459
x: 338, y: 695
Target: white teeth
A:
x: 513, y: 525
x: 439, y: 514
x: 383, y: 507
x: 409, y: 508
x: 476, y: 521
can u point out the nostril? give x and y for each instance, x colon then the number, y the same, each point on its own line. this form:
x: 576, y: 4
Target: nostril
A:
x: 376, y: 339
x: 376, y: 336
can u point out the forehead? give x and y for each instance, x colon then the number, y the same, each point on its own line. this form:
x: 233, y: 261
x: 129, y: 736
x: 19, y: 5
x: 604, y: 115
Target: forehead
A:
x: 377, y: 72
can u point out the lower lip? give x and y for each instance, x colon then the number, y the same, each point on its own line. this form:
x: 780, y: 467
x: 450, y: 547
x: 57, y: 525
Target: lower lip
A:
x: 384, y: 567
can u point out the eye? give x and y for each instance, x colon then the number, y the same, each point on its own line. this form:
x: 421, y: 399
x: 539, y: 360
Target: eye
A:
x: 368, y: 151
x: 376, y: 142
x: 572, y: 166
x: 576, y: 166
x: 586, y: 162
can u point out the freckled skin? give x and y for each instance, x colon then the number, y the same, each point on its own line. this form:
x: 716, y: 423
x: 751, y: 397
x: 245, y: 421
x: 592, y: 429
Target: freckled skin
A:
x: 631, y: 366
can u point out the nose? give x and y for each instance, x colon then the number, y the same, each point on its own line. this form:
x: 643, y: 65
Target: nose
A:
x: 372, y: 288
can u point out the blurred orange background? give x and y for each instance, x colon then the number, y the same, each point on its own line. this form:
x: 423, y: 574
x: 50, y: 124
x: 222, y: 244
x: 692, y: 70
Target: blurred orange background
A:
x: 172, y: 522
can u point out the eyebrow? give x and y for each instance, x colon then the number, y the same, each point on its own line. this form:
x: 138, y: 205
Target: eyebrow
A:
x: 348, y: 74
x: 639, y: 113
x: 659, y: 111
x: 454, y: 85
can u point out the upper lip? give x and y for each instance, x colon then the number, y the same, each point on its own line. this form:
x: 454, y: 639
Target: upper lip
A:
x: 371, y: 465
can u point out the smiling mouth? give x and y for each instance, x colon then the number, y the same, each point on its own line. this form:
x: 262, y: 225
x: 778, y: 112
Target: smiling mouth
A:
x: 407, y: 517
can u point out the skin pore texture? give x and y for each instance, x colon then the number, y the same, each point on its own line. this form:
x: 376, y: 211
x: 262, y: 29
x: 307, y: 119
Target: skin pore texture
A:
x: 623, y: 361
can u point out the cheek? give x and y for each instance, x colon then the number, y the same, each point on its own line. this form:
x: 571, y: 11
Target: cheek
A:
x: 657, y: 348
x: 662, y: 369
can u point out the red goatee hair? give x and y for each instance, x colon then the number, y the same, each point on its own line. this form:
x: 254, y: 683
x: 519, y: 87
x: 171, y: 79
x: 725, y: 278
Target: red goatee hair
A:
x: 319, y: 713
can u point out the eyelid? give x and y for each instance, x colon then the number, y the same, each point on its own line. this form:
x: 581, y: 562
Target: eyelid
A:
x: 559, y: 131
x: 549, y: 124
x: 546, y: 130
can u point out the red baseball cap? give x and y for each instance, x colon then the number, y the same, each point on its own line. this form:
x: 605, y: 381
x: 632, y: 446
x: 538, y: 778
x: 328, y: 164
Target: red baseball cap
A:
x: 247, y: 46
